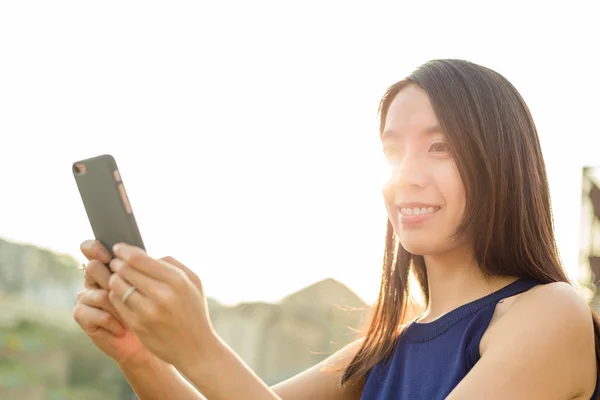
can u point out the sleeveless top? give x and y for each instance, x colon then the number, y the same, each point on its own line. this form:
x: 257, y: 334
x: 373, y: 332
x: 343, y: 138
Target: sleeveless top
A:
x: 430, y: 359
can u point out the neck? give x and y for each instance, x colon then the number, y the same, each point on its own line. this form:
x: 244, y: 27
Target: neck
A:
x: 454, y: 279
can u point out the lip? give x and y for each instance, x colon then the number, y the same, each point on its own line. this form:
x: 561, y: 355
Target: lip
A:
x: 415, y: 219
x: 413, y: 204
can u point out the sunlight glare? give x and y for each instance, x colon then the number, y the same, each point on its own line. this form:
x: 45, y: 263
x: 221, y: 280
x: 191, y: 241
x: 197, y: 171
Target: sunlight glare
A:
x: 384, y: 172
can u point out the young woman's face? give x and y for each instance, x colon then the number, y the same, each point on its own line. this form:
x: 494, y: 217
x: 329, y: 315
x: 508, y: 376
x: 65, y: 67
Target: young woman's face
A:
x: 425, y: 196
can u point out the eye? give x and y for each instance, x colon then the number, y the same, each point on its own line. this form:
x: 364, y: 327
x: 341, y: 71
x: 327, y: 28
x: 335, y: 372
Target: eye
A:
x: 439, y: 147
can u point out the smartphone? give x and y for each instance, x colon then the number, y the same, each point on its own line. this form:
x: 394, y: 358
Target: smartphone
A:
x: 106, y: 203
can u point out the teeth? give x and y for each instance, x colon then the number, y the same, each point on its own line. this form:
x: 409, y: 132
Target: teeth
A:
x: 417, y: 210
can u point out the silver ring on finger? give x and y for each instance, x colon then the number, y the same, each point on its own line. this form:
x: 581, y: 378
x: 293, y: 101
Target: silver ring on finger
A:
x: 83, y: 268
x: 127, y: 294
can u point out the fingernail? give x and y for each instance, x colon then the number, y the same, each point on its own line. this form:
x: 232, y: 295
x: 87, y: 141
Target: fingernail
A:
x: 103, y: 254
x: 112, y: 265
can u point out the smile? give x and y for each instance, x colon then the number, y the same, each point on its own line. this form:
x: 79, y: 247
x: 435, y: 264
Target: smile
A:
x: 413, y: 214
x: 418, y: 210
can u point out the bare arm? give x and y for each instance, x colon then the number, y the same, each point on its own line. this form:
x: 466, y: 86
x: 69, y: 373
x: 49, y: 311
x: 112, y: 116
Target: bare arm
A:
x: 164, y: 289
x: 228, y: 377
x: 223, y: 375
x: 542, y: 348
x: 155, y: 379
x: 321, y: 382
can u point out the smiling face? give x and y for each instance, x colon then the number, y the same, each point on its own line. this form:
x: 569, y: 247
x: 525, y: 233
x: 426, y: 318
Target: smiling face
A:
x: 425, y: 196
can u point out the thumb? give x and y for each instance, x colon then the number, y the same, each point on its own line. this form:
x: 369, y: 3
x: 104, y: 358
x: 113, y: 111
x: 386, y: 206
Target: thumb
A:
x: 190, y: 274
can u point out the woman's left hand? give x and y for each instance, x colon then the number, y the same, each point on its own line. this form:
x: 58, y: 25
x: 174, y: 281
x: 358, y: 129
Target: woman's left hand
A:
x: 167, y: 310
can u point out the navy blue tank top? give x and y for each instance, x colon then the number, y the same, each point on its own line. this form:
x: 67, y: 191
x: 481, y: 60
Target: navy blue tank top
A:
x: 430, y: 359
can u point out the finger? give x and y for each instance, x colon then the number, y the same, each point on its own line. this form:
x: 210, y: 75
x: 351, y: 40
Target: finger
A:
x: 90, y: 318
x: 96, y: 275
x: 142, y: 282
x: 98, y: 298
x: 94, y: 250
x: 101, y: 334
x: 88, y: 281
x: 135, y: 301
x: 141, y: 261
x: 190, y: 274
x: 94, y: 298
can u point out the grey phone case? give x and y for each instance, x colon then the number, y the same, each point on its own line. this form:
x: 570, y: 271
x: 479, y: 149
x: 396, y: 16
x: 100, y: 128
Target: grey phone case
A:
x: 105, y: 201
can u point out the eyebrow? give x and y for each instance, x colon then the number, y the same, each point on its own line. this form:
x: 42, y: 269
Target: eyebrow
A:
x: 427, y: 131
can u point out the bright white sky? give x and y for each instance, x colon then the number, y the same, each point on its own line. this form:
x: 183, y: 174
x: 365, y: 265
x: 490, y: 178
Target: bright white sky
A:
x: 246, y: 131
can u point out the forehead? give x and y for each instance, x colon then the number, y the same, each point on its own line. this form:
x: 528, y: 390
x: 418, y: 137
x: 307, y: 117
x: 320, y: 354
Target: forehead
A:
x: 410, y: 112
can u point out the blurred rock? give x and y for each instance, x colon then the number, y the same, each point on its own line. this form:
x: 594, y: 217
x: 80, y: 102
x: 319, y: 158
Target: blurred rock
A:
x: 276, y: 340
x: 279, y: 340
x: 38, y: 275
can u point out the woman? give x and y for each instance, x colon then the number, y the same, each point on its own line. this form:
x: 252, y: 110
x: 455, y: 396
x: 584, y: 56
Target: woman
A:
x: 468, y: 213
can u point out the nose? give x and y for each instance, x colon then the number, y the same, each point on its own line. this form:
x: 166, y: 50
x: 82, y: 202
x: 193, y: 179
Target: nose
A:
x: 410, y: 172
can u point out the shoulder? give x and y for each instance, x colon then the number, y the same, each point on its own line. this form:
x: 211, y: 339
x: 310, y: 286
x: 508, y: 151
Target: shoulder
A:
x: 557, y: 309
x: 548, y: 329
x: 542, y: 347
x: 551, y: 314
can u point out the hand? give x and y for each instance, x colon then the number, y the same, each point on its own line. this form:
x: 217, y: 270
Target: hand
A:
x: 98, y: 317
x: 167, y: 310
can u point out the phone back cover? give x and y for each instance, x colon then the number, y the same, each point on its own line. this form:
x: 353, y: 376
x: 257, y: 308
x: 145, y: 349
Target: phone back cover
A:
x: 110, y: 221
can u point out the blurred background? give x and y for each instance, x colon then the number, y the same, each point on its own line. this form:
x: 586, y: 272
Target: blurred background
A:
x: 246, y: 135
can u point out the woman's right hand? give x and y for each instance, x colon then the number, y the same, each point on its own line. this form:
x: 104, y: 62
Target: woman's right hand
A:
x: 98, y: 318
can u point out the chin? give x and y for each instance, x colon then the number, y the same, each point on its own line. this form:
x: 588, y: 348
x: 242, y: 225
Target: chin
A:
x: 429, y: 246
x: 417, y: 248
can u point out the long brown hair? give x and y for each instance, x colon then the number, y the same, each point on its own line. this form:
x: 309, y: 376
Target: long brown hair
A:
x: 498, y: 155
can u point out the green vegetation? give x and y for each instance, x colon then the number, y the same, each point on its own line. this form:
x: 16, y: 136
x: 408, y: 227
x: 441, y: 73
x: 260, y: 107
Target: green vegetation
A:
x: 62, y: 364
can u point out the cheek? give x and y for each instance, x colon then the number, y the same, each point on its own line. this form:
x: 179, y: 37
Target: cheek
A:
x: 453, y: 191
x: 388, y: 193
x: 390, y: 206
